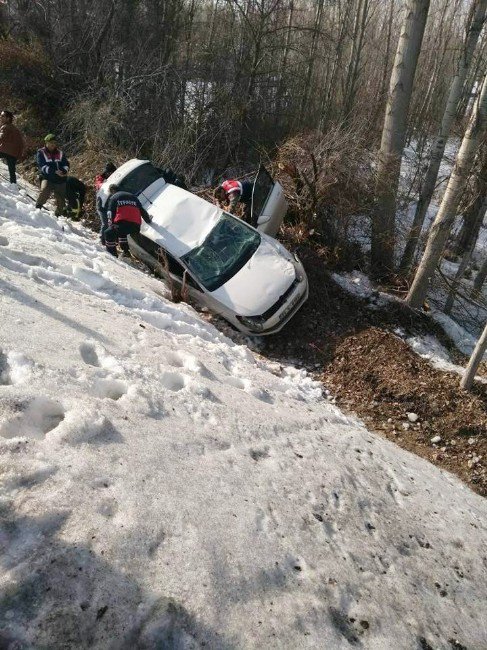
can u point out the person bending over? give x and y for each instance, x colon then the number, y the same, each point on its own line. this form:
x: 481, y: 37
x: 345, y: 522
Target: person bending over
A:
x: 125, y: 214
x: 230, y: 193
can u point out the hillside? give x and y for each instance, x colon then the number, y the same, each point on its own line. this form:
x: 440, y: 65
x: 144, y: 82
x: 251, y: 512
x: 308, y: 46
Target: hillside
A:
x: 164, y: 488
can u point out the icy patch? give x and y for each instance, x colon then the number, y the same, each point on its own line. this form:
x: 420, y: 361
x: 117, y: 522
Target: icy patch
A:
x: 464, y: 341
x: 360, y: 286
x: 428, y: 347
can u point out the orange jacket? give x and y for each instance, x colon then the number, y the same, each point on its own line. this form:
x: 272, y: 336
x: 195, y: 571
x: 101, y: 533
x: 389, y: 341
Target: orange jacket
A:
x: 11, y: 141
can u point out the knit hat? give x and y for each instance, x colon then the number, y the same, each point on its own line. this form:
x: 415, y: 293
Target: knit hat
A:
x: 50, y: 137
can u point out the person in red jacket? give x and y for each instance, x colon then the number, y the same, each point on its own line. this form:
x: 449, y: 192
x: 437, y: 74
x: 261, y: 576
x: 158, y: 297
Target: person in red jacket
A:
x: 12, y: 143
x: 125, y: 214
x: 232, y: 192
x: 101, y: 178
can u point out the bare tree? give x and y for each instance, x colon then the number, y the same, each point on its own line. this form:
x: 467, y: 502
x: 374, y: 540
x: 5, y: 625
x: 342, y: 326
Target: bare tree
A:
x: 480, y: 278
x: 477, y: 206
x: 474, y: 26
x: 394, y: 134
x: 448, y: 209
x: 477, y: 356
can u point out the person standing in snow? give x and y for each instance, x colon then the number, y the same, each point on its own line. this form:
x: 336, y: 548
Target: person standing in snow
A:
x: 53, y: 169
x: 100, y: 208
x: 75, y: 197
x: 231, y: 192
x: 12, y: 143
x: 125, y: 214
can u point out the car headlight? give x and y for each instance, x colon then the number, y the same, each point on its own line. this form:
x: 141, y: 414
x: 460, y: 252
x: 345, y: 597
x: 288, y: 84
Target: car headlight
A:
x: 299, y: 270
x: 252, y: 322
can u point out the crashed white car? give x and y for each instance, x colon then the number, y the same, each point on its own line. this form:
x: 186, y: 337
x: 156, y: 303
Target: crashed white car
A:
x: 226, y: 265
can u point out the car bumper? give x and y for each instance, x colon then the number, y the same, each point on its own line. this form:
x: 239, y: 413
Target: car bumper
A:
x: 281, y: 317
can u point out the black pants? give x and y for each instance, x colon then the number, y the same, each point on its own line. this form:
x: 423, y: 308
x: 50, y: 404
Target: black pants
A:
x: 118, y: 232
x: 75, y: 196
x: 11, y: 162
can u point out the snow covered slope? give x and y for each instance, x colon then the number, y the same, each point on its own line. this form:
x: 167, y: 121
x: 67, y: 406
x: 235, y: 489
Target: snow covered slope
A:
x: 162, y: 488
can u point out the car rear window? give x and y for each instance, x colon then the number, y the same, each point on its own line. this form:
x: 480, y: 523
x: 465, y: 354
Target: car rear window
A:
x: 226, y: 249
x: 140, y: 178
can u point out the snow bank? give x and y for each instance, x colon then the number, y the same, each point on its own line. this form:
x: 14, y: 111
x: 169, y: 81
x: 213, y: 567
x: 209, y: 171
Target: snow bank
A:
x: 162, y: 489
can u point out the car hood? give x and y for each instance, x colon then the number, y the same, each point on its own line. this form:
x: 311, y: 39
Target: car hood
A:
x: 260, y: 283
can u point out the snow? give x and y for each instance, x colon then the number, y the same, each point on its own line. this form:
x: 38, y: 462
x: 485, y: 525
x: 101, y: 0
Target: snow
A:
x: 163, y: 488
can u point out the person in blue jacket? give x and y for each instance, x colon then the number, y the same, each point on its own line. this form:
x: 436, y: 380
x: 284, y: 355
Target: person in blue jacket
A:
x: 53, y: 171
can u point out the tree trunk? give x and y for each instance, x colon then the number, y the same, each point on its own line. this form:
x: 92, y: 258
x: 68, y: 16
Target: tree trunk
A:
x: 284, y: 60
x: 477, y: 19
x: 311, y: 62
x: 467, y: 256
x: 474, y: 214
x: 355, y: 57
x: 472, y: 222
x: 478, y: 283
x: 451, y: 200
x: 475, y: 359
x: 393, y: 136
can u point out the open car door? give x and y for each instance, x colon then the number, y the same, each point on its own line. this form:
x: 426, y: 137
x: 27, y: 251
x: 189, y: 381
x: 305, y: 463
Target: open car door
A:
x: 269, y: 204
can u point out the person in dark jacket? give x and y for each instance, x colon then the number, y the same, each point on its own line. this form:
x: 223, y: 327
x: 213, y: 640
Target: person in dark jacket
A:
x: 12, y: 143
x: 100, y: 208
x: 75, y: 197
x: 125, y: 214
x: 53, y: 170
x: 231, y: 192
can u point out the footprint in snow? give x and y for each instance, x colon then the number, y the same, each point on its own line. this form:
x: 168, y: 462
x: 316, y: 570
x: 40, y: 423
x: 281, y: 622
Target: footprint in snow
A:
x: 109, y: 388
x: 189, y: 362
x: 94, y: 355
x: 5, y: 379
x: 259, y: 454
x: 3, y: 241
x: 14, y: 368
x: 173, y: 381
x: 89, y: 355
x: 246, y: 385
x: 36, y: 418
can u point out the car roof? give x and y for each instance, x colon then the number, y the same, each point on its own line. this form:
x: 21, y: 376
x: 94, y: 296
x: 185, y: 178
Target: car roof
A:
x: 181, y: 220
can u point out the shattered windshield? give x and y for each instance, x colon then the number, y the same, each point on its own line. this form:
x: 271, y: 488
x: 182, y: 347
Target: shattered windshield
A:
x: 224, y: 252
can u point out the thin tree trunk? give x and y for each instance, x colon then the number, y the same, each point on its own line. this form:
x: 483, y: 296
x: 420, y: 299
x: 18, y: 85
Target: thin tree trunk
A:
x: 383, y: 84
x: 475, y: 212
x: 342, y: 25
x: 393, y: 136
x: 311, y: 60
x: 477, y: 19
x: 480, y: 278
x: 353, y: 70
x: 467, y: 256
x: 285, y: 56
x: 451, y: 200
x: 472, y: 222
x: 475, y: 359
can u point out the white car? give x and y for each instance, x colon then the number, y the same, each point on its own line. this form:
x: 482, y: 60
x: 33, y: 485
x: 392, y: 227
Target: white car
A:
x: 230, y: 267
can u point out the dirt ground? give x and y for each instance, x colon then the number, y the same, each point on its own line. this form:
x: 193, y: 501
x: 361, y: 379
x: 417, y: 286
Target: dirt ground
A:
x: 373, y: 373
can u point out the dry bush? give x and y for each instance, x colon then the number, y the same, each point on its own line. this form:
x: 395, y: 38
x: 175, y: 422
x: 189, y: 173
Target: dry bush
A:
x: 329, y: 181
x: 28, y: 87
